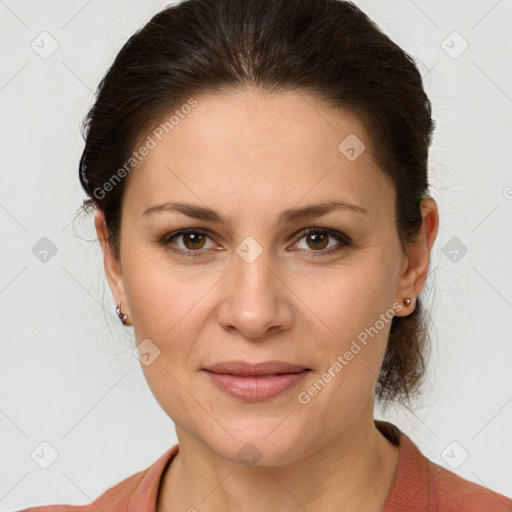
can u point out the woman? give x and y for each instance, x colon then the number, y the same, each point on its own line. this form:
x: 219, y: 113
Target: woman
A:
x: 258, y: 170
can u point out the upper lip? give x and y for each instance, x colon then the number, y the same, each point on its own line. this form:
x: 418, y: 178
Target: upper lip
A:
x: 246, y: 369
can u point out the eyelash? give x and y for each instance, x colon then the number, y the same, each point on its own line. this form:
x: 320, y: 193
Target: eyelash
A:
x: 341, y: 237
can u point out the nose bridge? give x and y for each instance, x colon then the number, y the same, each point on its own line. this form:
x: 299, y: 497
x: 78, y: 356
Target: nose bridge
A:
x: 253, y: 272
x: 254, y: 300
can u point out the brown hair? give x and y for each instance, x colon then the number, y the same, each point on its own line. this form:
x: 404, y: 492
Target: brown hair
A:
x: 326, y: 48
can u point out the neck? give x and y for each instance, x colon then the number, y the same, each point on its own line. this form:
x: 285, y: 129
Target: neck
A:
x: 356, y: 469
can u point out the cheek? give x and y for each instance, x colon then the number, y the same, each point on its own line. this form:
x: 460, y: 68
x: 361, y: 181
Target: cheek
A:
x: 352, y: 318
x: 346, y: 300
x: 168, y: 309
x: 165, y: 307
x: 163, y: 296
x: 336, y: 309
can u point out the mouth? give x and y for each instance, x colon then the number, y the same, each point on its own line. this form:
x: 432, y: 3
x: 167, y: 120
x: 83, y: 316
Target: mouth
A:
x: 255, y: 382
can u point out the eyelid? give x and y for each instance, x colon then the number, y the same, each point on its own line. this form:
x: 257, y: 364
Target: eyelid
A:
x: 333, y: 233
x: 342, y: 238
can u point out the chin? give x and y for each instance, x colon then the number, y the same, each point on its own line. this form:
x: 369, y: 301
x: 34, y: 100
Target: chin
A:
x: 258, y: 442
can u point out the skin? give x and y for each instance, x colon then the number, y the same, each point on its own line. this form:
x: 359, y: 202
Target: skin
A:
x: 250, y: 156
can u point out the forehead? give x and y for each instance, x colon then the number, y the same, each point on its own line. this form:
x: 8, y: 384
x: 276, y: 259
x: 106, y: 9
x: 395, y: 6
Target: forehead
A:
x: 247, y: 146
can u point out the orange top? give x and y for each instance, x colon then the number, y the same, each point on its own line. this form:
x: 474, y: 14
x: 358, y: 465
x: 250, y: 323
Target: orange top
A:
x: 420, y: 485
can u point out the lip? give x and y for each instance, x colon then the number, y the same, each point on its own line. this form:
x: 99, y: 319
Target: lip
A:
x: 245, y: 369
x: 255, y: 381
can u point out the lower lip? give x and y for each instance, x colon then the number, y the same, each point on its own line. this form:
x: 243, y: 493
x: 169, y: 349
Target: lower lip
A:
x: 256, y: 388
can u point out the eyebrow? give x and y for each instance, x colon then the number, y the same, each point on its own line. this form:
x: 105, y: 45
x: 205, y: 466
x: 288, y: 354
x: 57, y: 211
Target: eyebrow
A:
x: 293, y: 215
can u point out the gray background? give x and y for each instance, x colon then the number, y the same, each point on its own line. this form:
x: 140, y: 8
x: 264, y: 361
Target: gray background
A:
x: 67, y: 373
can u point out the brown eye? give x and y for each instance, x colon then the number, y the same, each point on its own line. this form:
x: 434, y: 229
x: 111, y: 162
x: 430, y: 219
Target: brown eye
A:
x: 192, y: 244
x: 317, y: 241
x: 193, y: 240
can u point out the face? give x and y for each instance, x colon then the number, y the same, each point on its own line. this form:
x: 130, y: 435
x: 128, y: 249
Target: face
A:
x: 257, y: 287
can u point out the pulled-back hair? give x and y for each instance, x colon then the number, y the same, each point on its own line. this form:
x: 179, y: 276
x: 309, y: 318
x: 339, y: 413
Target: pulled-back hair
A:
x: 326, y: 48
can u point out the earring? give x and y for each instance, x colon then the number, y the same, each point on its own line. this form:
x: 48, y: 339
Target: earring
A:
x: 407, y: 302
x: 122, y: 316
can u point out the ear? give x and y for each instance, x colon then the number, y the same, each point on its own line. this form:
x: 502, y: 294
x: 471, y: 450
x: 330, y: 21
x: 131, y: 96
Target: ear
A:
x: 113, y: 269
x: 416, y: 261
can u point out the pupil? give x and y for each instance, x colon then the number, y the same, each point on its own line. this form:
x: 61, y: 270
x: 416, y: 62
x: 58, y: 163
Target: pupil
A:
x: 192, y: 236
x: 318, y: 235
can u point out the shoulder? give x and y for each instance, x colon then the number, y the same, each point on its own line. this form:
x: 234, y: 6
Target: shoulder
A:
x: 421, y: 485
x: 450, y: 492
x: 137, y: 492
x: 114, y: 498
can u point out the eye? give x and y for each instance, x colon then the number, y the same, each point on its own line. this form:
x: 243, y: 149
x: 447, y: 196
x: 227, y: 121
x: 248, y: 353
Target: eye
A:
x: 316, y: 239
x: 193, y: 241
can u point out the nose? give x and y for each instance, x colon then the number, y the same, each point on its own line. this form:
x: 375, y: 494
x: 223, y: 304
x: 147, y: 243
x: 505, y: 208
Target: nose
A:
x: 256, y: 300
